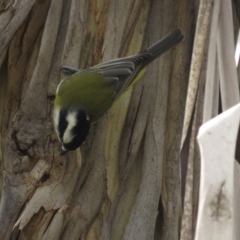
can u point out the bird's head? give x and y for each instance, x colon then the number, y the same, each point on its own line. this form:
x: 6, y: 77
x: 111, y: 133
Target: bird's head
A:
x: 72, y: 127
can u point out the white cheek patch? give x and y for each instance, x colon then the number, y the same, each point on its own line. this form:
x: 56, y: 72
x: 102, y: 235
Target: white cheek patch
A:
x: 56, y: 114
x: 63, y: 148
x: 72, y: 122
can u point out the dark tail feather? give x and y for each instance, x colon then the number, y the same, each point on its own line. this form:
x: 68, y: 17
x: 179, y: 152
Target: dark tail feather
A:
x: 169, y: 41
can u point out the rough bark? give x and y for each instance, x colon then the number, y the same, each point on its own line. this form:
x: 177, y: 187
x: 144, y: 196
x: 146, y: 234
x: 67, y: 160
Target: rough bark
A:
x: 127, y: 173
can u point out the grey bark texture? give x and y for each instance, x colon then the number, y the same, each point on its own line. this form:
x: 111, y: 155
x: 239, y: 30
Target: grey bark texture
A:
x: 125, y: 181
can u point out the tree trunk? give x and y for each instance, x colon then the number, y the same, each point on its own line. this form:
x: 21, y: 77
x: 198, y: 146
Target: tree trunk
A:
x: 125, y: 181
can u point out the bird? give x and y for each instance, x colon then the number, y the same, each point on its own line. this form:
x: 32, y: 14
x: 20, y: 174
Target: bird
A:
x: 86, y: 95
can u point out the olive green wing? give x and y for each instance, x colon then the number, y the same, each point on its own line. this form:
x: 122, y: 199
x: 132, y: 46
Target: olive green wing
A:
x: 121, y: 73
x: 106, y: 81
x: 87, y: 90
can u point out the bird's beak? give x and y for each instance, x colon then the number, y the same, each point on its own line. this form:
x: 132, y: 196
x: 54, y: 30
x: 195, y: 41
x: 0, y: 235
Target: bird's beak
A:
x: 62, y: 152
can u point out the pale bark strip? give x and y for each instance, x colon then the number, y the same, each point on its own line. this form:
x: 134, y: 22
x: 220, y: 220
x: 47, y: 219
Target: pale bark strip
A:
x: 53, y: 231
x: 193, y: 167
x: 3, y: 86
x: 11, y: 20
x: 138, y: 17
x: 75, y: 32
x: 227, y: 68
x: 118, y: 12
x: 170, y: 202
x: 187, y: 221
x: 39, y: 80
x: 143, y: 216
x: 202, y: 29
x: 25, y: 43
x: 56, y: 75
x: 236, y: 199
x: 212, y: 81
x: 216, y: 219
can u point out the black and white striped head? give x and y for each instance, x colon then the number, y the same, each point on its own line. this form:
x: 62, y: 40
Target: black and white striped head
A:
x: 72, y: 127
